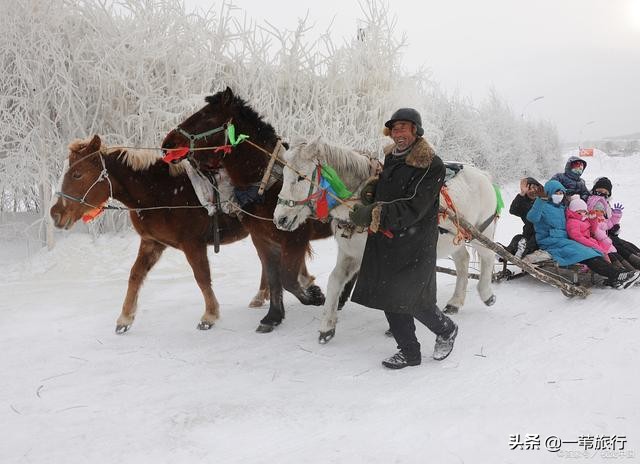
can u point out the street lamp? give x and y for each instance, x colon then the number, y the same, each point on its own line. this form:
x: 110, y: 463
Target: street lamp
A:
x: 528, y: 103
x: 588, y: 123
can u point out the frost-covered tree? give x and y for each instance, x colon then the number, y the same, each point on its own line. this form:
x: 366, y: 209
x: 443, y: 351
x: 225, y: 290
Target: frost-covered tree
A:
x: 130, y: 70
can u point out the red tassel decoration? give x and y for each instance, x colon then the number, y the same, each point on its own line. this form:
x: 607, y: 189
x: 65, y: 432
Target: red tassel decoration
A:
x: 322, y: 206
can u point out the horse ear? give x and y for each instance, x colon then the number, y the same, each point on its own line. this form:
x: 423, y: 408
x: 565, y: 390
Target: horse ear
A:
x: 227, y: 96
x: 94, y: 144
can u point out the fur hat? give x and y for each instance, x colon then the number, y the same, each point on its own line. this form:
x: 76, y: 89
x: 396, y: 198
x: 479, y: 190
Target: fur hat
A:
x: 602, y: 182
x: 577, y: 205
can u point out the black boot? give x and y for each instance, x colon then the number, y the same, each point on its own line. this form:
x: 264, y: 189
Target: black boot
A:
x: 444, y: 344
x: 401, y: 360
x: 624, y: 280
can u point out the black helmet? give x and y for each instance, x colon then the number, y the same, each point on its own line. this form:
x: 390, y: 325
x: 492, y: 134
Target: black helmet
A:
x: 407, y: 114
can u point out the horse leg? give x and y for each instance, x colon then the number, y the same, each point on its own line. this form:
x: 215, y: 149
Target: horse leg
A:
x: 487, y: 260
x: 304, y: 278
x: 461, y: 260
x: 270, y: 255
x: 347, y: 265
x: 196, y: 254
x: 293, y: 267
x: 346, y: 292
x: 149, y: 253
x: 263, y: 292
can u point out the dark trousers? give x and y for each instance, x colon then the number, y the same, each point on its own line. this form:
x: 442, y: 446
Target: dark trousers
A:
x: 404, y: 329
x: 627, y: 250
x: 602, y: 267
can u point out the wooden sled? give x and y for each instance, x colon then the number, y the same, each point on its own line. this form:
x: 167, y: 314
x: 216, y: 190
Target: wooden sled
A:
x: 569, y: 287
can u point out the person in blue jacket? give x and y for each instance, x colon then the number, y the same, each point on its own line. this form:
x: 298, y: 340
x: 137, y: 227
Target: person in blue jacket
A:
x: 571, y: 180
x: 548, y: 218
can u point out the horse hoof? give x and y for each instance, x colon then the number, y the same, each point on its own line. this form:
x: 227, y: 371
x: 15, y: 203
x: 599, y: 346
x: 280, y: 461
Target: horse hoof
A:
x: 316, y: 297
x: 120, y: 329
x: 490, y: 301
x: 388, y: 333
x: 450, y: 309
x: 265, y: 328
x: 205, y: 325
x: 325, y: 337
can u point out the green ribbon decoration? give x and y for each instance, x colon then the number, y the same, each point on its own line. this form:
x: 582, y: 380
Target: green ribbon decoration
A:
x: 499, y: 200
x: 231, y: 133
x: 335, y: 182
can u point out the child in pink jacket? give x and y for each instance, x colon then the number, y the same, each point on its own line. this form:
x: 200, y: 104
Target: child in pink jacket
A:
x: 579, y: 228
x: 602, y: 218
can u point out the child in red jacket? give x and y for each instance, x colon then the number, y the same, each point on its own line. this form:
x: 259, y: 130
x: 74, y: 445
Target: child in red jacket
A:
x: 579, y: 228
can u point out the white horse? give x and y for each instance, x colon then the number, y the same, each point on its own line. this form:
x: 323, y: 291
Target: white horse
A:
x: 470, y: 190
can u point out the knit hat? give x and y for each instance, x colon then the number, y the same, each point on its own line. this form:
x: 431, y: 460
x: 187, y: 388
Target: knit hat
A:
x: 602, y: 182
x: 577, y: 205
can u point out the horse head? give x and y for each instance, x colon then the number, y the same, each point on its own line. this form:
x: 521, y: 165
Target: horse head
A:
x: 320, y: 179
x: 299, y: 185
x: 84, y: 184
x: 213, y: 144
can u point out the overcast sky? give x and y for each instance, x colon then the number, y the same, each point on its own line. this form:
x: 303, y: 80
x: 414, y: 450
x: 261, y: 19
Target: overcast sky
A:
x: 583, y: 56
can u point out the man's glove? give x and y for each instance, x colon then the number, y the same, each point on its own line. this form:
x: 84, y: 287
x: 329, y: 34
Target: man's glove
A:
x: 361, y: 214
x: 368, y: 192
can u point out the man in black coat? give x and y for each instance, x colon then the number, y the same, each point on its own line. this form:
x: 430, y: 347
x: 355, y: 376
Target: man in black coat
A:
x: 525, y: 243
x: 398, y: 272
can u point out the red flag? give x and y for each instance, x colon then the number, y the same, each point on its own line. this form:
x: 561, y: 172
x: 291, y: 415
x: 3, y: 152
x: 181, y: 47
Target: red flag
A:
x: 586, y: 152
x: 92, y: 214
x: 174, y: 155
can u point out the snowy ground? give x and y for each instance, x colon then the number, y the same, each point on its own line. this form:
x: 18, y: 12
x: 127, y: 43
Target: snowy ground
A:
x: 74, y: 392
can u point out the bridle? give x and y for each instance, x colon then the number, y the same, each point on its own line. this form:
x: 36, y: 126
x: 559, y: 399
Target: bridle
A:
x: 104, y: 175
x: 312, y: 197
x: 193, y: 138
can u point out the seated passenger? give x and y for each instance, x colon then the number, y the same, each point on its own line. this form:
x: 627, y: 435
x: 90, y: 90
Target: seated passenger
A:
x: 548, y: 218
x: 579, y: 228
x: 525, y: 243
x: 571, y: 179
x: 610, y: 220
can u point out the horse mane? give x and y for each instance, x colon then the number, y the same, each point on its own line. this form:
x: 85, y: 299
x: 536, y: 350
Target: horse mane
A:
x: 342, y: 159
x: 79, y: 144
x: 247, y: 113
x: 143, y: 160
x: 136, y: 159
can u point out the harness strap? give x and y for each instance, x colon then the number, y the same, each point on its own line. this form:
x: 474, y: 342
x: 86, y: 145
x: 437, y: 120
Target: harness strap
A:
x: 267, y: 173
x: 214, y: 228
x: 487, y: 222
x: 461, y: 234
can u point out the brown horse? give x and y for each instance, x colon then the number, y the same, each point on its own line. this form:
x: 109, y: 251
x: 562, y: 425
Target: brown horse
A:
x: 165, y: 212
x: 281, y: 253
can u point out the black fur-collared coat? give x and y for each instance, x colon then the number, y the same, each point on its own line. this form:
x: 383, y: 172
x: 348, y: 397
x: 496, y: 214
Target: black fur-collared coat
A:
x: 398, y: 273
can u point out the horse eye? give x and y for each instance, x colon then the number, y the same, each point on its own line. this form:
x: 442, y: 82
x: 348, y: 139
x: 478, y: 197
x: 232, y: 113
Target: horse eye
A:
x: 76, y: 175
x: 300, y: 178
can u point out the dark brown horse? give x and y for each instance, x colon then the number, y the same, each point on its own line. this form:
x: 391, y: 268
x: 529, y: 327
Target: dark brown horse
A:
x: 281, y: 253
x: 166, y: 213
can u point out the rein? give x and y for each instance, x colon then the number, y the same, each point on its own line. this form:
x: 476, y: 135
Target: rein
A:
x: 104, y: 175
